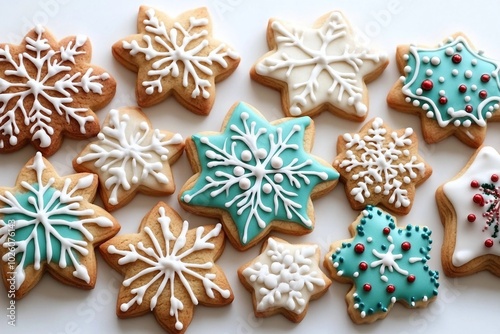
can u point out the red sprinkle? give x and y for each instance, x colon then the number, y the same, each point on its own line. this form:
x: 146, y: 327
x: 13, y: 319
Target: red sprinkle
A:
x: 367, y: 287
x: 411, y: 278
x: 359, y: 248
x: 443, y: 100
x: 427, y: 84
x: 405, y: 246
x: 478, y: 199
x: 488, y: 243
x: 483, y: 94
x: 456, y: 58
x: 474, y: 184
x: 462, y: 88
x: 390, y: 288
x: 363, y: 266
x: 468, y: 108
x: 386, y: 230
x: 485, y: 78
x: 494, y: 178
x: 471, y: 218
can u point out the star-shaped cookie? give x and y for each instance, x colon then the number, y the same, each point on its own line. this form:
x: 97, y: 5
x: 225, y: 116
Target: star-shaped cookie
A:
x: 385, y: 264
x: 130, y: 156
x: 284, y: 278
x: 319, y: 68
x: 256, y: 176
x: 176, y: 56
x: 48, y: 222
x: 380, y: 166
x: 453, y: 87
x: 469, y: 206
x: 168, y: 268
x: 48, y: 90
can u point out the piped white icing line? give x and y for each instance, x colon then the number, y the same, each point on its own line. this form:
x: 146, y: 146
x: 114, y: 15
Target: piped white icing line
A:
x: 170, y: 265
x: 45, y: 211
x: 322, y: 65
x: 129, y: 153
x: 165, y: 45
x: 50, y: 96
x: 284, y: 276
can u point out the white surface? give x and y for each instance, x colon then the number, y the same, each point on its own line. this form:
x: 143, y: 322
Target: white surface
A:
x: 462, y: 305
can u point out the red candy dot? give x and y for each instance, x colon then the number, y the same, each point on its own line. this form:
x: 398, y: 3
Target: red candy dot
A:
x: 485, y: 78
x: 468, y: 108
x: 405, y: 246
x: 462, y: 88
x: 386, y: 230
x: 390, y: 288
x: 427, y: 84
x: 443, y: 100
x: 363, y: 266
x: 483, y: 94
x: 471, y: 218
x: 488, y: 243
x: 411, y: 278
x: 367, y: 287
x: 474, y: 184
x: 494, y: 178
x: 359, y: 248
x: 456, y: 58
x: 478, y: 199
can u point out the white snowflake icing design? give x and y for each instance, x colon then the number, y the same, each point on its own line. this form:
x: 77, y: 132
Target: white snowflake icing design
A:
x: 284, y: 275
x: 329, y: 71
x: 170, y: 50
x: 169, y: 262
x: 44, y: 208
x: 49, y: 64
x: 129, y: 154
x: 385, y: 162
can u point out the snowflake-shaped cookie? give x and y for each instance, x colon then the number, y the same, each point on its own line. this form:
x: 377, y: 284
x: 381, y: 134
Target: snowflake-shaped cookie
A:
x: 168, y: 269
x: 48, y: 222
x: 469, y: 206
x: 319, y: 68
x: 129, y: 156
x: 385, y: 264
x: 284, y: 278
x: 453, y: 87
x: 254, y: 173
x: 48, y: 89
x: 176, y: 56
x: 381, y: 166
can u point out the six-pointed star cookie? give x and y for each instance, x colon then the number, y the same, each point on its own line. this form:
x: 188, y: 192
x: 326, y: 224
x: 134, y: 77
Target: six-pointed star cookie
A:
x: 284, y: 278
x: 319, y: 68
x: 256, y: 176
x: 385, y: 264
x: 130, y: 156
x: 48, y: 222
x: 176, y: 56
x: 469, y: 206
x: 380, y: 166
x: 48, y: 90
x: 168, y: 269
x: 452, y: 87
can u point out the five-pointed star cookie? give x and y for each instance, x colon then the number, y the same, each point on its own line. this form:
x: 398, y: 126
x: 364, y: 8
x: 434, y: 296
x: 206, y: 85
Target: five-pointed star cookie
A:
x: 319, y: 68
x: 176, y: 56
x: 48, y: 90
x: 452, y: 87
x: 385, y: 264
x: 256, y: 176
x: 48, y: 222
x: 381, y: 166
x: 469, y: 206
x: 284, y: 278
x: 168, y: 269
x: 130, y: 156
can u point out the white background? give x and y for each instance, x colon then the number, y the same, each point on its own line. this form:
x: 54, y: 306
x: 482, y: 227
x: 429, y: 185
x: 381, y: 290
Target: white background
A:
x: 463, y: 305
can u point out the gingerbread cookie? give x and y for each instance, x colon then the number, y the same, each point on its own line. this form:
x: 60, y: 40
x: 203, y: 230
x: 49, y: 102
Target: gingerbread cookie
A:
x: 49, y: 90
x: 168, y: 269
x: 48, y: 222
x: 176, y: 56
x: 319, y: 68
x: 385, y: 264
x: 452, y: 87
x: 381, y: 166
x: 130, y: 156
x: 284, y: 278
x: 256, y: 176
x: 469, y: 210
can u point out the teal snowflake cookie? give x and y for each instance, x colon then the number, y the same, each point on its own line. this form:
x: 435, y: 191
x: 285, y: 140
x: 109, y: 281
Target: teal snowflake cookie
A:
x: 256, y: 176
x: 453, y: 87
x: 385, y: 264
x: 48, y: 222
